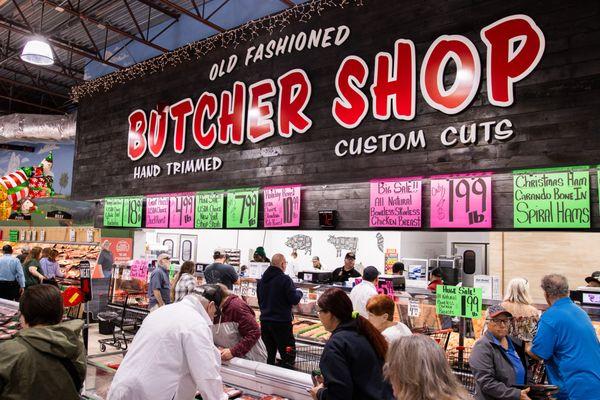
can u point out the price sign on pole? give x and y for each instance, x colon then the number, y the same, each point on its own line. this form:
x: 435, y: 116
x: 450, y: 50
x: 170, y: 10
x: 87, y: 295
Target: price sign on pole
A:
x: 242, y: 208
x: 181, y: 211
x: 462, y: 201
x: 458, y: 301
x: 113, y: 211
x: 132, y: 212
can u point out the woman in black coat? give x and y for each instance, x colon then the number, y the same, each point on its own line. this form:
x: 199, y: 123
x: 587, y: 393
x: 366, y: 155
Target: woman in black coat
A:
x: 353, y: 358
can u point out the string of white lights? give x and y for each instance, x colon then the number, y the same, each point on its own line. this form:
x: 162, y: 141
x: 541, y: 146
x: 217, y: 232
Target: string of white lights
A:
x: 193, y: 51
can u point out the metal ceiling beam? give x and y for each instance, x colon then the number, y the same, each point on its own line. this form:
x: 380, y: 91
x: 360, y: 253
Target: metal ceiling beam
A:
x: 161, y: 9
x: 11, y: 52
x: 288, y: 3
x: 56, y: 110
x: 36, y: 88
x: 20, y: 29
x: 41, y: 79
x: 190, y: 14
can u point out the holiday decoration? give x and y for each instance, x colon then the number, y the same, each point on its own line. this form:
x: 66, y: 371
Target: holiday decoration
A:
x: 196, y: 50
x: 19, y: 188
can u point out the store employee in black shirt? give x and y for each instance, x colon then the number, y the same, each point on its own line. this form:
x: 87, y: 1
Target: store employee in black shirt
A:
x: 342, y: 274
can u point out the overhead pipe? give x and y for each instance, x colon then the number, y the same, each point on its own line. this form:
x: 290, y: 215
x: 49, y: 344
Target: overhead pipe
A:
x: 38, y: 128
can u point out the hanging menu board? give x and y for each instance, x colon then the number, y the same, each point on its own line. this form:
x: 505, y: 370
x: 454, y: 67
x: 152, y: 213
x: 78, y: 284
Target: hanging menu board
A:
x: 209, y: 210
x: 181, y: 210
x: 458, y: 301
x: 113, y: 211
x: 281, y: 206
x: 461, y: 201
x: 157, y: 212
x: 132, y: 212
x: 395, y: 203
x: 552, y: 198
x: 242, y: 208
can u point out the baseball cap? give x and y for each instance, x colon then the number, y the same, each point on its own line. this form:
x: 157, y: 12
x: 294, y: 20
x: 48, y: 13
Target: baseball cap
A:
x: 496, y: 310
x: 219, y: 253
x: 594, y: 277
x: 350, y: 255
x: 315, y: 258
x: 370, y: 273
x: 163, y: 255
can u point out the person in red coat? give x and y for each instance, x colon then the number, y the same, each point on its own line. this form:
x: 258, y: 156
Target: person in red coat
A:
x: 236, y: 331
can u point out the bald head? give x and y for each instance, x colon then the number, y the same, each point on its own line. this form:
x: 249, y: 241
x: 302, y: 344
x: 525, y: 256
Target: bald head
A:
x: 278, y: 260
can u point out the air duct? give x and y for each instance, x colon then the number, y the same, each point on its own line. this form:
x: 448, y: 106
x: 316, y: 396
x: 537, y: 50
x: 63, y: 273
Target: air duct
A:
x: 38, y: 128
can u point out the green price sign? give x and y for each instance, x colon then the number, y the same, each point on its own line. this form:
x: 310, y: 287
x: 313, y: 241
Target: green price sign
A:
x: 113, y: 211
x: 552, y: 198
x: 132, y: 212
x: 458, y: 301
x: 13, y: 235
x: 209, y: 210
x: 242, y: 208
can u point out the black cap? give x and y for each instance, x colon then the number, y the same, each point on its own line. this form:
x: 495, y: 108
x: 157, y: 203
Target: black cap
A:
x: 595, y: 277
x: 370, y: 273
x: 219, y: 254
x: 437, y: 272
x: 350, y: 255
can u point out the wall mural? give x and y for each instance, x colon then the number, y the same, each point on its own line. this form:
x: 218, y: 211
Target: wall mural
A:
x: 300, y: 242
x: 340, y: 243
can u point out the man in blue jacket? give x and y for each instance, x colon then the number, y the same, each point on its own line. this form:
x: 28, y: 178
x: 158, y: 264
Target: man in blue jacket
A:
x: 276, y: 296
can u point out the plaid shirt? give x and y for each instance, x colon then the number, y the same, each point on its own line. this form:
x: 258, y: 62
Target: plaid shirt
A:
x: 186, y: 284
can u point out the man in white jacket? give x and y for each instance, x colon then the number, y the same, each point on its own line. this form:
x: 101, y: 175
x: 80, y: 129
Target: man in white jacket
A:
x: 362, y: 292
x: 172, y: 355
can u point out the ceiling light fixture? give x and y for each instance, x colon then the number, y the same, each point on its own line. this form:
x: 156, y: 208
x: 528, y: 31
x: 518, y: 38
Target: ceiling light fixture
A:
x: 37, y: 51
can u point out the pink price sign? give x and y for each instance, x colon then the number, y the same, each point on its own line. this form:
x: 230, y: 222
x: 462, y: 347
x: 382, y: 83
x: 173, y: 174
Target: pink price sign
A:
x: 157, y: 212
x: 282, y: 206
x: 139, y: 270
x: 395, y: 203
x: 182, y: 210
x: 461, y: 201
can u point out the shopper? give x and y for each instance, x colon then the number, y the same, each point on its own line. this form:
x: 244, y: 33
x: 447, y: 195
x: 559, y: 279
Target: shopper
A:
x: 184, y: 282
x: 518, y: 303
x: 316, y: 262
x: 159, y: 287
x: 219, y: 272
x: 353, y: 358
x: 236, y: 331
x: 499, y: 362
x: 366, y: 289
x: 417, y: 369
x: 24, y: 253
x: 12, y: 279
x: 32, y: 269
x: 380, y: 311
x: 50, y: 267
x: 567, y: 342
x: 106, y: 259
x: 172, y: 355
x: 593, y: 280
x: 435, y: 280
x: 276, y: 295
x: 260, y: 255
x: 46, y: 359
x: 398, y: 268
x: 342, y: 274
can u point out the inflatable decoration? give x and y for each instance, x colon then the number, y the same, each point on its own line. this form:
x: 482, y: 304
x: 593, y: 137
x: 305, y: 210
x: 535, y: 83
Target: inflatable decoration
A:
x: 19, y: 189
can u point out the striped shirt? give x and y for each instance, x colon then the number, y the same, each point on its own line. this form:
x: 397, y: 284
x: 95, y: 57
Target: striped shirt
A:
x: 184, y: 286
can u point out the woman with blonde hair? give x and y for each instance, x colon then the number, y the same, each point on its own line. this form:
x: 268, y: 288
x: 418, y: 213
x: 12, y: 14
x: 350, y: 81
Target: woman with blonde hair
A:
x: 429, y: 376
x: 184, y: 282
x: 517, y: 300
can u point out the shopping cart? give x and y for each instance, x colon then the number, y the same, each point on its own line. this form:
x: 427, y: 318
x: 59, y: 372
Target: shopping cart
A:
x: 458, y: 359
x: 307, y: 357
x: 126, y: 326
x: 441, y: 336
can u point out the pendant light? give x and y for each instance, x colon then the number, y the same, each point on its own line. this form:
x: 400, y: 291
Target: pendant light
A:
x: 37, y: 50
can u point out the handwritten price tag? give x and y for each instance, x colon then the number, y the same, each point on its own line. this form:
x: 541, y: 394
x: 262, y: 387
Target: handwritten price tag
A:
x: 395, y: 203
x: 113, y: 211
x: 461, y: 202
x: 182, y: 211
x: 458, y: 301
x: 132, y: 212
x: 139, y: 270
x: 281, y: 206
x: 209, y: 210
x: 157, y: 212
x: 242, y: 208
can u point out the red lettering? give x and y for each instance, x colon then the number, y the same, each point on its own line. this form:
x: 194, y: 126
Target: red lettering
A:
x: 260, y: 125
x: 395, y: 85
x: 231, y: 115
x: 157, y: 134
x: 505, y: 64
x: 466, y: 81
x: 136, y: 141
x: 179, y: 112
x: 350, y: 107
x: 294, y: 93
x: 206, y: 106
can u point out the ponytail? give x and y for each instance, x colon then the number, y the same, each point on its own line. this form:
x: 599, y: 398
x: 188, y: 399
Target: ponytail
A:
x: 374, y: 337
